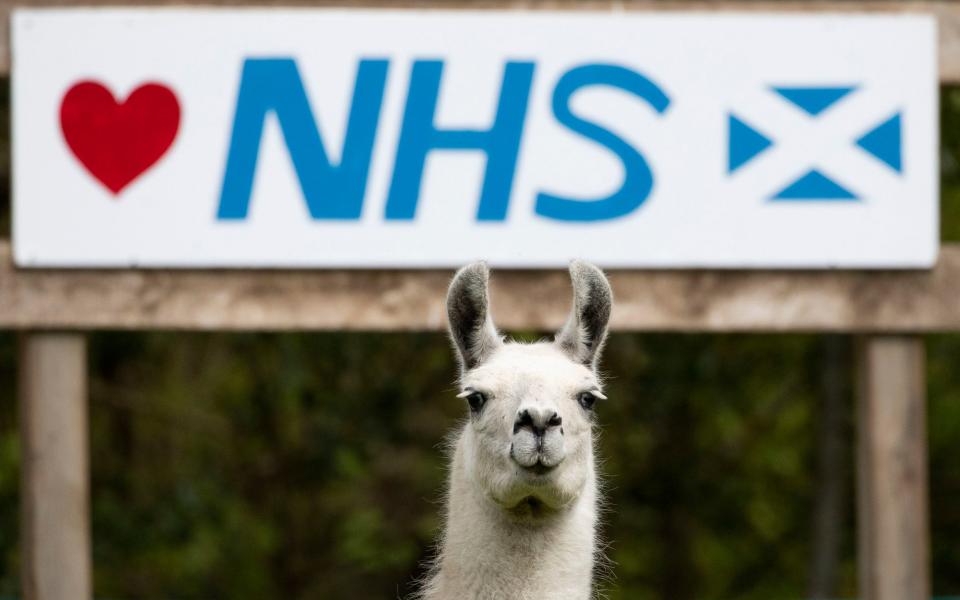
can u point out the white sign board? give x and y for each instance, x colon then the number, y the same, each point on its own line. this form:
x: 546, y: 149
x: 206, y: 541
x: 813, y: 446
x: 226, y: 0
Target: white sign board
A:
x: 376, y: 138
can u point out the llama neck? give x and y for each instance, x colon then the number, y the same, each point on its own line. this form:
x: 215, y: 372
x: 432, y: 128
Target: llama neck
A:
x: 488, y: 555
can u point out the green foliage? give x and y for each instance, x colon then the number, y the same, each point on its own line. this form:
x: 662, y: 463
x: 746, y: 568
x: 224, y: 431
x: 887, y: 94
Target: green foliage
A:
x: 296, y: 466
x: 9, y: 470
x: 943, y: 380
x: 708, y: 444
x: 950, y: 164
x: 311, y: 465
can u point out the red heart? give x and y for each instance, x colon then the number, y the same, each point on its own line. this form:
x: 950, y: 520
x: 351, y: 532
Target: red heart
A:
x: 117, y: 141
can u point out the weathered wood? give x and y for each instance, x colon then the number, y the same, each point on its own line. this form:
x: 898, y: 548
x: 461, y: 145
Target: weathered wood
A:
x: 892, y: 470
x: 55, y: 527
x: 852, y: 301
x: 947, y: 13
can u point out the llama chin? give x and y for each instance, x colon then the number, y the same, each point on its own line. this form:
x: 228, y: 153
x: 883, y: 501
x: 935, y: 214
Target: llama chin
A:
x: 522, y: 492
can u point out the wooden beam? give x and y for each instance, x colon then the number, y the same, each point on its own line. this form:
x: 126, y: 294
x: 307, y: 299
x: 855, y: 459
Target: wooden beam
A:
x: 893, y: 529
x: 55, y: 527
x: 947, y: 13
x: 710, y: 301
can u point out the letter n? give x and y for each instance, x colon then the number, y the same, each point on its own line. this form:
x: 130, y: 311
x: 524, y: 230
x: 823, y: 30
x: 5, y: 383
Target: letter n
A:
x: 274, y: 86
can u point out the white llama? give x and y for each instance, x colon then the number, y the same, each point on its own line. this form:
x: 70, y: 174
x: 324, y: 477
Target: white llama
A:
x: 522, y: 498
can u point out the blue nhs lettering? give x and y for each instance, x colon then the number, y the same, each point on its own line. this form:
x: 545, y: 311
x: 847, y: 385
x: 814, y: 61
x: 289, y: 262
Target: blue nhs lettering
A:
x: 336, y: 191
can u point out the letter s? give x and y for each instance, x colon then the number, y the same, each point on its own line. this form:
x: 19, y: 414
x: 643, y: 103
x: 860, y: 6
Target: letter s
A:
x: 638, y: 179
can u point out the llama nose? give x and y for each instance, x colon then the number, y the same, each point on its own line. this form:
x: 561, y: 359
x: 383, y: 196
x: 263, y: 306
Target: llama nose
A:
x: 538, y: 420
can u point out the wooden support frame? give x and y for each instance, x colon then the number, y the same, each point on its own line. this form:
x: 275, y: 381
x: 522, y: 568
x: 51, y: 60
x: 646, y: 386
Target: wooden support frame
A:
x: 893, y: 522
x: 704, y: 301
x: 55, y: 484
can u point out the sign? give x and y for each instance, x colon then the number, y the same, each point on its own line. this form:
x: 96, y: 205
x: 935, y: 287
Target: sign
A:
x: 383, y: 138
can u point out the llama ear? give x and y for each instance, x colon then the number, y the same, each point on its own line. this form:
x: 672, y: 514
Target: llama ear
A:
x: 586, y: 329
x: 468, y: 309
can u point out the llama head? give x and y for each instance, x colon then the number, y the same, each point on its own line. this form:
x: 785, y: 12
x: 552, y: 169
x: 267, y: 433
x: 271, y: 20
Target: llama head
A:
x: 528, y: 444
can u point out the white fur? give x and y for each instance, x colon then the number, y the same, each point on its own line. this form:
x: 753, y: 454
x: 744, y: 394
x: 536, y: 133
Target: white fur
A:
x: 512, y: 534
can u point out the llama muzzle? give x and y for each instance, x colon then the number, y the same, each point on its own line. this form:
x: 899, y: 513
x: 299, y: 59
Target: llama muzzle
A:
x: 537, y: 439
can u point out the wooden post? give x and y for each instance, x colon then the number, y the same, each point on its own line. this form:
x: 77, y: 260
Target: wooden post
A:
x: 55, y: 527
x: 893, y: 527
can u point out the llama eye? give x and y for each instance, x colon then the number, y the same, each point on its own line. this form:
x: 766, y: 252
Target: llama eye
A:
x: 586, y: 400
x: 476, y: 400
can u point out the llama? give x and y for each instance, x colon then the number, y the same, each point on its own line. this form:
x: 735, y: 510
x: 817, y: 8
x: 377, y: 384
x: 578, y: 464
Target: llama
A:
x: 522, y: 492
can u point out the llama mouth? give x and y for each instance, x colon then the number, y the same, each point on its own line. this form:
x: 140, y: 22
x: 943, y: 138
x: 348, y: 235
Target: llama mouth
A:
x: 532, y: 463
x: 538, y: 468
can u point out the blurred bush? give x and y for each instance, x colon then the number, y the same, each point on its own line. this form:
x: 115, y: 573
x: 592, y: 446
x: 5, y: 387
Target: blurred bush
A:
x: 311, y: 465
